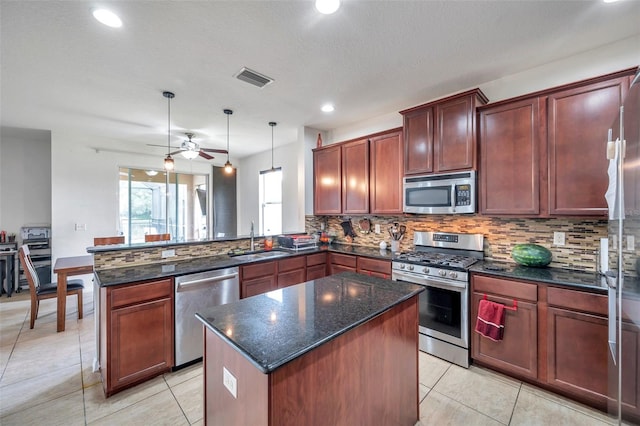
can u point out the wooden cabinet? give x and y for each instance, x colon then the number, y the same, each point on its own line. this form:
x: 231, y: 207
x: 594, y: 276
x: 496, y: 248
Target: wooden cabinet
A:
x: 355, y: 177
x: 136, y: 333
x: 386, y: 169
x: 257, y: 278
x: 291, y: 271
x: 517, y: 353
x: 578, y: 121
x: 316, y: 266
x: 511, y: 141
x: 441, y: 136
x: 374, y: 267
x: 339, y: 262
x: 327, y: 180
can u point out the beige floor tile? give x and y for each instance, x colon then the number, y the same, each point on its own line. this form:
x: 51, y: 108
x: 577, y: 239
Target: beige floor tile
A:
x: 184, y: 374
x: 430, y: 369
x: 437, y: 409
x: 533, y: 409
x: 190, y: 396
x: 97, y: 406
x: 9, y: 334
x: 198, y: 423
x: 5, y: 353
x: 24, y: 394
x: 423, y: 391
x: 158, y: 409
x: 480, y: 391
x: 67, y: 410
x: 558, y: 399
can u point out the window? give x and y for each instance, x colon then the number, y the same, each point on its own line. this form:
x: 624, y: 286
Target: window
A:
x: 271, y: 202
x: 156, y: 202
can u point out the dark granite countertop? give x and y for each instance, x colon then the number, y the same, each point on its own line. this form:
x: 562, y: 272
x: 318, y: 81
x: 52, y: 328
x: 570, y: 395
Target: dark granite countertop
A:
x: 128, y: 274
x: 274, y: 328
x: 582, y: 280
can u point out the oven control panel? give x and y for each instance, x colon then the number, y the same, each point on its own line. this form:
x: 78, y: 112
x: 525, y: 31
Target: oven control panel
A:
x: 412, y: 272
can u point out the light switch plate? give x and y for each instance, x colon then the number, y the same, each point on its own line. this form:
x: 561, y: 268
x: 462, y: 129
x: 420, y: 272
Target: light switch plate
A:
x: 376, y: 228
x: 558, y: 238
x: 631, y: 243
x: 168, y: 253
x: 230, y: 382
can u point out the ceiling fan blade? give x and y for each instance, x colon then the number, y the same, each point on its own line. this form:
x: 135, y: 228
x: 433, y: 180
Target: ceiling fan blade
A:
x: 205, y: 155
x: 219, y: 151
x: 177, y: 152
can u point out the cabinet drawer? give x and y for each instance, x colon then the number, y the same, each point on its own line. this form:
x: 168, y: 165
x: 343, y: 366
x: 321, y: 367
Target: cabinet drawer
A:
x: 507, y: 288
x: 258, y: 270
x: 342, y: 259
x: 577, y: 300
x: 138, y: 293
x: 316, y: 259
x: 374, y: 265
x: 292, y: 263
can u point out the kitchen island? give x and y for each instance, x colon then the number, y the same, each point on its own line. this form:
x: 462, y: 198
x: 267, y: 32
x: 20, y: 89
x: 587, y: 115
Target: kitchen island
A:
x: 340, y: 350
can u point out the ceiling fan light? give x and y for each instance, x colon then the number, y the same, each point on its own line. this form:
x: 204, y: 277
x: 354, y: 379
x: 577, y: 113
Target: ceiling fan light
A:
x: 228, y: 167
x: 189, y: 155
x: 168, y: 163
x: 151, y: 173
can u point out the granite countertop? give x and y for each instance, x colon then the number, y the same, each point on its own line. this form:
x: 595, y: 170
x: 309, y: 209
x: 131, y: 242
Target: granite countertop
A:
x: 590, y: 281
x: 274, y: 328
x: 128, y: 274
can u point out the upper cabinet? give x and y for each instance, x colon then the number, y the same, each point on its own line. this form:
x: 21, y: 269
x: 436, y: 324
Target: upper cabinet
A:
x: 361, y: 176
x: 543, y: 154
x: 441, y: 136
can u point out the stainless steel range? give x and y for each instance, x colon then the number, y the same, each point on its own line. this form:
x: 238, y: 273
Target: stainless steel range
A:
x: 440, y: 262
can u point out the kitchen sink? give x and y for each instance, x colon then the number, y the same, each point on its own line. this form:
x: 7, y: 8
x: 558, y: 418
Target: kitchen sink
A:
x: 260, y: 255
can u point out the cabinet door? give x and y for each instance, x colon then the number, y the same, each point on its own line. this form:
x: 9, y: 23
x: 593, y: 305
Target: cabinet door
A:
x: 386, y: 173
x: 335, y: 269
x: 316, y: 271
x: 455, y: 142
x: 256, y: 286
x: 418, y: 141
x: 374, y: 267
x: 355, y: 177
x: 291, y: 271
x: 327, y: 181
x: 510, y: 146
x: 141, y: 343
x: 578, y: 122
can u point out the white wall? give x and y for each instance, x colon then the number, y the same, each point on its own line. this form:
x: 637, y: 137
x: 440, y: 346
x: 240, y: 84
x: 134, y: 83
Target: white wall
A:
x: 610, y: 58
x: 25, y: 176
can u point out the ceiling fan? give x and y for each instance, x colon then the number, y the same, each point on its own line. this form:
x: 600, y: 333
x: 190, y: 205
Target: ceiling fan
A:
x: 190, y: 149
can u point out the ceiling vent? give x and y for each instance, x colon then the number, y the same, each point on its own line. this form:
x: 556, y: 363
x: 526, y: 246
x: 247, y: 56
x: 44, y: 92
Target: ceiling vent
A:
x: 253, y: 77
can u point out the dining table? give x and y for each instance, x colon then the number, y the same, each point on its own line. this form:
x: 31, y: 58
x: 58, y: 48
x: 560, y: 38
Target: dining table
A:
x: 63, y: 268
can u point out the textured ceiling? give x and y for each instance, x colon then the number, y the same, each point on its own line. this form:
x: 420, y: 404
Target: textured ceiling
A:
x: 63, y: 71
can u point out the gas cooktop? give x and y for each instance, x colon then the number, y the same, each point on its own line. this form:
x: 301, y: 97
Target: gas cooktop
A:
x: 436, y: 259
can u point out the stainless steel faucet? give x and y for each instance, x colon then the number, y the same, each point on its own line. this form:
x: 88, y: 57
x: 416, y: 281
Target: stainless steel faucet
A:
x: 253, y: 246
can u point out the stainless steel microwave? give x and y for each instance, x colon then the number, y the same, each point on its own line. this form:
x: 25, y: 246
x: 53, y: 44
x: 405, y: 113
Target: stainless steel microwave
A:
x: 450, y: 193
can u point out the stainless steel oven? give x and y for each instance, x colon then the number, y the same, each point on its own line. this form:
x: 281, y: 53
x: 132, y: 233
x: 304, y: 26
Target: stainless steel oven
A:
x: 444, y: 306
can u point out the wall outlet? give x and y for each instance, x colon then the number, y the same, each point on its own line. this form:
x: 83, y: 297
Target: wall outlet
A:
x: 558, y: 238
x: 230, y: 382
x: 631, y: 243
x: 81, y: 226
x: 376, y: 228
x: 168, y: 253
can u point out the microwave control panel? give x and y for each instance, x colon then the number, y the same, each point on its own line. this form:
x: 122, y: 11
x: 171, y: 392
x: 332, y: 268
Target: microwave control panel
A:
x: 463, y: 195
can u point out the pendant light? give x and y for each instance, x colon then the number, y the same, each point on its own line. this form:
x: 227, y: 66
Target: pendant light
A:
x: 272, y: 124
x: 168, y: 161
x: 228, y: 167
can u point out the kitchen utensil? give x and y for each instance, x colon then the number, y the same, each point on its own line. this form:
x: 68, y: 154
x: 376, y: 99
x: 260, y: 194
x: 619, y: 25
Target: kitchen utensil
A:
x: 347, y: 227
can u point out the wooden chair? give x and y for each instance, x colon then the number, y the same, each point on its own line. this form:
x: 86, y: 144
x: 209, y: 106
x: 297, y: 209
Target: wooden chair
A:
x: 156, y: 237
x: 103, y: 241
x: 45, y: 291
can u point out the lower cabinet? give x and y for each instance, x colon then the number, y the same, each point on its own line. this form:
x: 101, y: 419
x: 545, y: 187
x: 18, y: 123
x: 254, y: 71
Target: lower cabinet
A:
x: 136, y: 333
x: 257, y: 278
x: 374, y: 267
x: 291, y: 271
x: 316, y: 266
x: 517, y: 352
x: 339, y: 262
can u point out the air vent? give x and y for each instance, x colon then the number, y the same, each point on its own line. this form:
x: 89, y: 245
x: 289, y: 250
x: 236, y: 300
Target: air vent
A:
x: 253, y: 77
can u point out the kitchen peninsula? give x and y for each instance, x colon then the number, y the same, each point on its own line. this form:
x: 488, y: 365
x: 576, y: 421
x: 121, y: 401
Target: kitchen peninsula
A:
x: 338, y: 350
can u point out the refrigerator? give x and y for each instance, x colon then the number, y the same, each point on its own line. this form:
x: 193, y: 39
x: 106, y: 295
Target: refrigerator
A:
x: 620, y: 258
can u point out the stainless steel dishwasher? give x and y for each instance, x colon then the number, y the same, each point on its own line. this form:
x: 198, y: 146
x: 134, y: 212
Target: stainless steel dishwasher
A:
x: 197, y: 292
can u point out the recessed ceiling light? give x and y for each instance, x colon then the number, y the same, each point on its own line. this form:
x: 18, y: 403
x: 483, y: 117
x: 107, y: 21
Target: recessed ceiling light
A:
x: 610, y: 1
x: 327, y: 6
x: 327, y: 108
x: 107, y: 18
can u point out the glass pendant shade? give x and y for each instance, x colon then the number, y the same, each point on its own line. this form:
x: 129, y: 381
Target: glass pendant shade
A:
x: 168, y: 163
x: 189, y: 155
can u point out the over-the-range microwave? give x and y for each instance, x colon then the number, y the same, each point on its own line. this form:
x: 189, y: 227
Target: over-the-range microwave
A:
x: 450, y: 193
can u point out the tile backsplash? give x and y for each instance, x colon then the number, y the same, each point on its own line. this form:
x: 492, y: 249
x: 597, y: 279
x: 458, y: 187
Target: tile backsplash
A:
x: 500, y: 235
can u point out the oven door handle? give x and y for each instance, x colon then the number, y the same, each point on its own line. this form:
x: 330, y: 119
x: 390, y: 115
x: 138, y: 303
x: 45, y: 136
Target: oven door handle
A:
x: 430, y: 281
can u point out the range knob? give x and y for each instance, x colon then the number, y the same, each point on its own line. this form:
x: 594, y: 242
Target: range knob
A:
x: 411, y: 267
x: 425, y: 270
x: 402, y: 266
x: 453, y: 274
x: 442, y: 273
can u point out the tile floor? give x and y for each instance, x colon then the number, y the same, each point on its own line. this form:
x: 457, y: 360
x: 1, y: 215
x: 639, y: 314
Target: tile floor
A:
x: 46, y: 378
